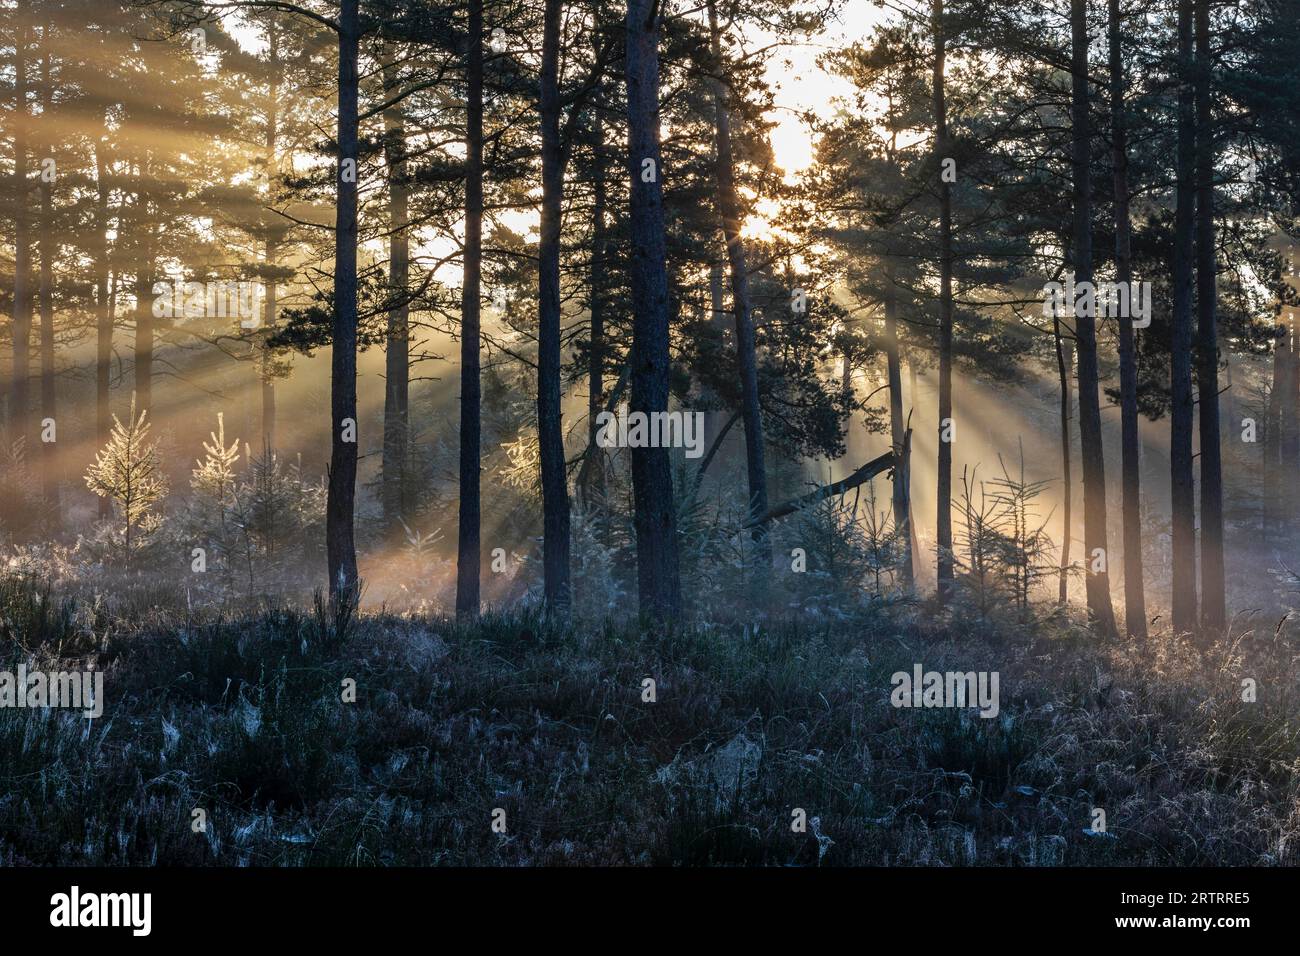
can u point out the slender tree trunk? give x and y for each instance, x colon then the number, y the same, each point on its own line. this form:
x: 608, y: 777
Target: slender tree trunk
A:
x: 339, y: 508
x: 397, y: 368
x: 272, y: 248
x: 49, y: 410
x: 1213, y: 599
x: 1182, y: 491
x: 746, y: 350
x: 1289, y: 426
x: 1272, y: 508
x: 1135, y: 614
x: 267, y: 359
x: 1291, y: 406
x: 716, y: 307
x: 715, y: 419
x: 19, y: 402
x: 469, y: 548
x: 1064, y: 365
x: 902, y: 506
x: 1085, y: 332
x: 596, y: 306
x: 846, y: 376
x: 550, y: 433
x: 144, y: 307
x: 913, y: 540
x: 655, y: 517
x: 943, y: 524
x: 103, y: 311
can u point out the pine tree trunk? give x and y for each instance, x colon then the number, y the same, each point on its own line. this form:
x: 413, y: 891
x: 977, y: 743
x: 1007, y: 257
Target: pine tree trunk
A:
x: 714, y: 418
x: 943, y: 524
x: 1182, y: 491
x: 1288, y: 462
x: 49, y: 411
x: 103, y: 312
x: 550, y: 433
x: 846, y: 376
x: 1135, y: 615
x: 272, y: 247
x: 1291, y: 405
x: 469, y: 547
x: 1064, y: 367
x: 1097, y: 578
x: 595, y: 489
x: 145, y: 267
x: 1288, y: 424
x: 902, y: 507
x: 718, y: 312
x: 913, y: 540
x: 746, y: 350
x: 1272, y: 506
x: 267, y: 360
x: 339, y: 508
x: 19, y: 402
x: 397, y: 368
x: 655, y: 518
x: 1213, y: 599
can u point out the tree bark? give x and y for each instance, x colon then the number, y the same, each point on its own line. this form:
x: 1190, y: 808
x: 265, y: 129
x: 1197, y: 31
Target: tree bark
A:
x: 897, y: 433
x: 846, y: 375
x: 1286, y: 443
x: 1213, y: 599
x: 1094, y: 470
x: 272, y: 245
x: 49, y: 411
x: 145, y: 266
x: 103, y: 311
x: 339, y: 508
x: 19, y: 402
x: 469, y: 547
x: 1291, y: 406
x: 943, y: 524
x: 1271, y: 507
x: 1182, y: 493
x: 717, y: 323
x: 550, y: 433
x: 1064, y: 366
x: 1291, y: 417
x: 397, y: 368
x: 267, y: 358
x: 595, y: 486
x: 1135, y: 615
x: 913, y: 540
x: 729, y: 208
x: 717, y: 312
x: 655, y: 518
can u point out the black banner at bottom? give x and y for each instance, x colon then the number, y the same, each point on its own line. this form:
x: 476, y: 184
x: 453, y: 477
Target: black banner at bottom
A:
x: 336, y: 905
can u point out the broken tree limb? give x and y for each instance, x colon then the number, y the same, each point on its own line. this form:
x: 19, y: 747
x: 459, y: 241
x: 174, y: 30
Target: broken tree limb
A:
x: 713, y: 449
x: 864, y: 474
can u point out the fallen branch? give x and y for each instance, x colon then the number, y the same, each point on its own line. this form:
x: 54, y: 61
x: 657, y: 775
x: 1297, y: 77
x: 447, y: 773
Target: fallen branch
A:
x: 864, y: 474
x: 713, y: 450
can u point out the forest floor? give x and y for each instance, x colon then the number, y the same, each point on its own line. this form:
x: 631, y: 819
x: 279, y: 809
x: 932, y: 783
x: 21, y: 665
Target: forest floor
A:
x: 249, y: 720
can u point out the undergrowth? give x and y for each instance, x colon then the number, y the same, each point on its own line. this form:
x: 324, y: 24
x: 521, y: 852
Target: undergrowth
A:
x: 244, y: 718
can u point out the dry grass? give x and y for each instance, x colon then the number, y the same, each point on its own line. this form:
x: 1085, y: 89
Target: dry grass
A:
x: 243, y: 718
